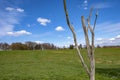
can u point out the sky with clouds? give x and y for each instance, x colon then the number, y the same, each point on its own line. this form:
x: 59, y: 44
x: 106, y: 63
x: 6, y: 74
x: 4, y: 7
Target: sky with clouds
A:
x: 44, y: 21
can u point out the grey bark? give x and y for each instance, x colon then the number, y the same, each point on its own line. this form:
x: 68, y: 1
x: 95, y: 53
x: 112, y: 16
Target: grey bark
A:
x: 75, y: 40
x: 90, y: 48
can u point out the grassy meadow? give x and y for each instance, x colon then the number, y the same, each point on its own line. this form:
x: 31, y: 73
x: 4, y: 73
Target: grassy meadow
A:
x: 57, y: 65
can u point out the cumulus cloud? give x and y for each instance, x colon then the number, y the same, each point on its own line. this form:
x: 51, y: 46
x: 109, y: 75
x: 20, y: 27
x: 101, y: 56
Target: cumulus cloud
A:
x: 85, y: 5
x: 20, y: 10
x: 9, y: 9
x: 108, y: 28
x: 108, y: 41
x: 59, y: 28
x: 18, y: 33
x: 43, y: 21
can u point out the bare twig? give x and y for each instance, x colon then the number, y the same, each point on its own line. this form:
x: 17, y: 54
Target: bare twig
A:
x: 95, y: 19
x: 90, y: 15
x: 88, y: 20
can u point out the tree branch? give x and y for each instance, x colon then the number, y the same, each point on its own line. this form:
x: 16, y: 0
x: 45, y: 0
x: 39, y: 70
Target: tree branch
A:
x: 75, y: 41
x: 95, y: 20
x: 88, y: 20
x: 85, y: 29
x: 90, y: 15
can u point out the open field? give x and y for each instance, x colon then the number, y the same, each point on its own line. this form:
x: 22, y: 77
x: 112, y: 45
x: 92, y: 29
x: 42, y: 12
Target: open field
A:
x: 57, y: 65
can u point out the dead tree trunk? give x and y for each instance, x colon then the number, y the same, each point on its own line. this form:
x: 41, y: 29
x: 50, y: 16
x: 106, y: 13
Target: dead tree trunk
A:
x: 90, y: 48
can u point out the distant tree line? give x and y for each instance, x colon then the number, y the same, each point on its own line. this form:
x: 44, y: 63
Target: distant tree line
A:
x: 117, y: 46
x: 4, y: 46
x: 71, y: 46
x: 110, y: 46
x: 42, y: 46
x: 27, y: 46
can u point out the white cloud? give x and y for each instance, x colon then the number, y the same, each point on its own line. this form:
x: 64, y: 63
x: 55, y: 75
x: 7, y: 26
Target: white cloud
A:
x: 68, y: 37
x: 85, y: 5
x: 108, y: 41
x: 85, y: 1
x: 5, y: 28
x: 18, y: 33
x: 59, y: 28
x: 20, y: 10
x: 7, y: 23
x: 99, y: 39
x: 8, y: 20
x: 101, y: 5
x: 11, y: 9
x: 118, y: 36
x: 43, y: 21
x: 38, y: 42
x: 107, y: 28
x: 112, y: 39
x: 31, y: 25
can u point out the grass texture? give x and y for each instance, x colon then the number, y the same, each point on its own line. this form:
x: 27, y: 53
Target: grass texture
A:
x: 57, y: 65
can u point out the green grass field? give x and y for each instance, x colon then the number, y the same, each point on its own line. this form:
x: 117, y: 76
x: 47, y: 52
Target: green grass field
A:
x: 57, y: 65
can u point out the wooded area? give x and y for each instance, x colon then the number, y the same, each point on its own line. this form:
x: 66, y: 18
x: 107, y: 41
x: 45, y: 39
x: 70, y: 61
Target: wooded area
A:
x: 27, y: 46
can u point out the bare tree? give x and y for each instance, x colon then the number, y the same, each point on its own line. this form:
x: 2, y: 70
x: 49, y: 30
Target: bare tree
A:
x: 31, y: 45
x: 4, y: 46
x: 90, y: 47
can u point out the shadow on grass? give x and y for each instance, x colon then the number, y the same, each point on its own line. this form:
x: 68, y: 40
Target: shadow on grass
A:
x: 110, y: 72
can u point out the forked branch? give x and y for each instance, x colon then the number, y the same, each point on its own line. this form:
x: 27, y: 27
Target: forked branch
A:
x: 90, y: 48
x: 75, y: 41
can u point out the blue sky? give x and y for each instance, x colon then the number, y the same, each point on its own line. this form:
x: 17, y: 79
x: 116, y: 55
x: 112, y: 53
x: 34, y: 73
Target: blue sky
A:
x: 44, y: 21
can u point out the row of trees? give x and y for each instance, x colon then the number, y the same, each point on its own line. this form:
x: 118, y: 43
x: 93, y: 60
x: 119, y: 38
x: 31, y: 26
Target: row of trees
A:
x: 98, y: 46
x: 71, y: 46
x: 117, y: 46
x: 35, y: 46
x: 4, y: 46
x: 27, y: 46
